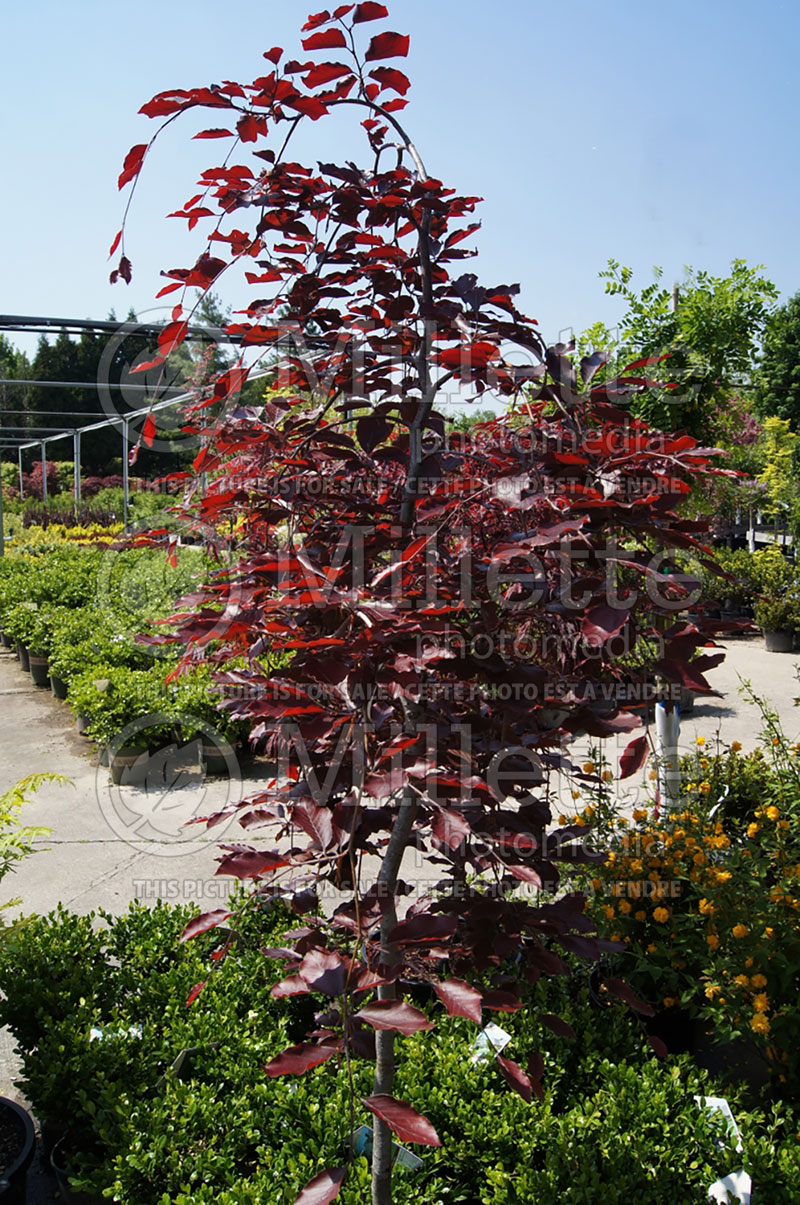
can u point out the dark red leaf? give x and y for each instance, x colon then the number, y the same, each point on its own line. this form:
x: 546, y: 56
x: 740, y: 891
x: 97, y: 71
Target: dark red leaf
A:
x: 535, y: 1073
x: 501, y: 1002
x: 207, y: 920
x: 292, y: 985
x: 316, y: 19
x: 249, y: 864
x: 274, y: 55
x: 342, y: 11
x: 556, y: 1025
x: 369, y: 11
x: 296, y: 1060
x: 659, y: 1047
x: 324, y: 971
x: 394, y: 1014
x: 402, y: 1120
x: 390, y: 77
x: 133, y: 163
x: 459, y: 999
x: 387, y: 46
x: 634, y: 755
x: 328, y: 39
x: 601, y: 623
x: 115, y: 243
x: 249, y: 126
x: 324, y: 73
x: 516, y: 1078
x: 450, y: 828
x: 620, y: 989
x: 423, y: 927
x: 214, y: 133
x: 149, y: 430
x: 195, y: 992
x: 324, y: 1188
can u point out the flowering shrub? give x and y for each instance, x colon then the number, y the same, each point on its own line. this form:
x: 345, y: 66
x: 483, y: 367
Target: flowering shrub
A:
x: 709, y: 916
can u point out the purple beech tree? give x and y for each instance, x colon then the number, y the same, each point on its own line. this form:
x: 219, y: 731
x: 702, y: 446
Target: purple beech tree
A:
x: 417, y: 622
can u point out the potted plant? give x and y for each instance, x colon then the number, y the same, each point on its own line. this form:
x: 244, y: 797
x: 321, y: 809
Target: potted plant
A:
x: 19, y: 623
x: 17, y: 1134
x: 775, y: 618
x: 128, y: 713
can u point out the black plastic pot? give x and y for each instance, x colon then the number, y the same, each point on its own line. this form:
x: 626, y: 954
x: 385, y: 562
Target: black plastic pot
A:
x: 216, y: 763
x: 58, y: 687
x: 59, y: 1162
x: 6, y: 641
x: 125, y: 766
x: 40, y: 672
x: 22, y: 653
x: 779, y: 642
x: 13, y: 1182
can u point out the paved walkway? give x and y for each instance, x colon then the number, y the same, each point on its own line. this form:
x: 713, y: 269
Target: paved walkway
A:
x: 111, y: 845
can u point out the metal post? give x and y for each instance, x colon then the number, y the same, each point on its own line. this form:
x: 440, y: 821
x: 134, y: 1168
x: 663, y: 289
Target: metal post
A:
x: 667, y: 735
x: 21, y: 488
x: 125, y: 472
x: 44, y: 471
x: 76, y: 469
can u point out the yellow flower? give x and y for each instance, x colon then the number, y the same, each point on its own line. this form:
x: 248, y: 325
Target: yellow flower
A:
x: 691, y: 786
x: 761, y: 1002
x: 769, y: 932
x: 670, y: 1001
x: 636, y: 866
x: 651, y: 949
x: 748, y: 962
x: 704, y: 787
x: 759, y: 980
x: 759, y: 1023
x: 624, y: 906
x: 639, y: 814
x: 783, y: 824
x: 712, y: 941
x: 563, y: 819
x: 772, y: 813
x: 575, y: 794
x: 588, y: 767
x: 597, y: 884
x: 740, y: 931
x: 661, y: 915
x: 640, y: 915
x: 699, y: 858
x: 741, y: 981
x: 736, y: 746
x: 776, y: 740
x: 706, y: 907
x: 609, y: 911
x: 712, y: 990
x: 701, y: 740
x: 607, y: 776
x: 653, y: 775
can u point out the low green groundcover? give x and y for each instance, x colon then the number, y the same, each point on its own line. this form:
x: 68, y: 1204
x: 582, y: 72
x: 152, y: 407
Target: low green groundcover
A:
x: 97, y: 1006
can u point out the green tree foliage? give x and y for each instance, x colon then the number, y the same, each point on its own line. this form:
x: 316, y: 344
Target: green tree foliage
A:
x: 711, y: 333
x: 778, y: 382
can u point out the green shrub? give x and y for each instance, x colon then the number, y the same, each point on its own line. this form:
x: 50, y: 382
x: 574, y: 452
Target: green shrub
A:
x: 113, y: 697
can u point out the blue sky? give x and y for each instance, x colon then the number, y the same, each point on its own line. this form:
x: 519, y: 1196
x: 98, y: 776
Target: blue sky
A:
x: 654, y: 133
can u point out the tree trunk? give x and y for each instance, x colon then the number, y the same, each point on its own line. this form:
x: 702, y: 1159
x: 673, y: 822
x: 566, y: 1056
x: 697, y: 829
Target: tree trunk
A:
x: 384, y: 1038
